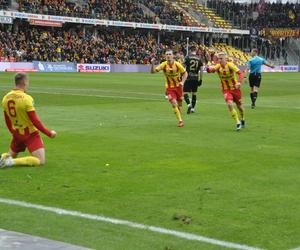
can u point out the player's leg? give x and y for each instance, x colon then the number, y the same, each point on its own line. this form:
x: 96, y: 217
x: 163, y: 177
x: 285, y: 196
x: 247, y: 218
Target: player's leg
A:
x: 173, y: 101
x: 186, y: 91
x: 237, y: 98
x: 194, y: 95
x: 242, y: 114
x: 254, y: 84
x: 229, y: 100
x: 34, y: 144
x: 194, y: 101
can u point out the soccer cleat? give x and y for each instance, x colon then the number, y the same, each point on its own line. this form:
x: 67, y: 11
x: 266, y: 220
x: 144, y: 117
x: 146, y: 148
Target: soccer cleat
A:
x: 2, y: 159
x: 253, y: 105
x: 238, y: 126
x: 243, y: 123
x: 192, y: 110
x: 189, y: 110
x: 180, y: 124
x: 6, y: 161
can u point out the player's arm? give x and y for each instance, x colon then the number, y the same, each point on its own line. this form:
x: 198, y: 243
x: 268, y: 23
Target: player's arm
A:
x: 30, y: 110
x: 183, y: 72
x: 153, y: 68
x: 39, y: 125
x: 8, y: 123
x: 184, y: 77
x: 239, y: 73
x: 268, y: 64
x: 201, y: 76
x: 213, y: 69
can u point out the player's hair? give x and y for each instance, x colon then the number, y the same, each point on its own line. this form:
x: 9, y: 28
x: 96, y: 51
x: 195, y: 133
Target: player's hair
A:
x: 255, y: 50
x: 19, y: 77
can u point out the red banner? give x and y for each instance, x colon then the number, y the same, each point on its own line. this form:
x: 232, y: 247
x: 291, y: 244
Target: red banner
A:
x: 46, y: 23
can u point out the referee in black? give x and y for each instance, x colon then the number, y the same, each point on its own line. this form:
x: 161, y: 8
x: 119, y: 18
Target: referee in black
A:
x: 254, y: 65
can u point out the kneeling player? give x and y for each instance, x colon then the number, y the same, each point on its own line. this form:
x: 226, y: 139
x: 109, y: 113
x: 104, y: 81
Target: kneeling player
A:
x: 24, y: 125
x: 230, y: 87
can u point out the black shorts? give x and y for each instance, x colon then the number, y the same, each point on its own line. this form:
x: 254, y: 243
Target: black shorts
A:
x: 190, y: 86
x: 254, y: 79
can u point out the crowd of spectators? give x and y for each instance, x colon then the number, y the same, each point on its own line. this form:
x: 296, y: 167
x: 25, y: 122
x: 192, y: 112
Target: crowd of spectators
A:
x: 120, y: 10
x: 120, y: 46
x: 105, y: 45
x: 258, y: 15
x: 4, y: 4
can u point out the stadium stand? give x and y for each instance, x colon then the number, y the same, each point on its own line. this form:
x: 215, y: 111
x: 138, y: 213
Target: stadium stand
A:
x: 258, y: 15
x: 125, y: 46
x: 103, y: 46
x: 238, y: 56
x: 200, y: 9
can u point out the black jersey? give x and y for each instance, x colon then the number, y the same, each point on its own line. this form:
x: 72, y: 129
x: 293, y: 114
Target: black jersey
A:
x: 193, y: 65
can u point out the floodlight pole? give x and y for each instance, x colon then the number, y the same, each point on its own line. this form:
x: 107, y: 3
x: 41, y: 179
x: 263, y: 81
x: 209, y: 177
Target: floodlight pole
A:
x: 187, y: 45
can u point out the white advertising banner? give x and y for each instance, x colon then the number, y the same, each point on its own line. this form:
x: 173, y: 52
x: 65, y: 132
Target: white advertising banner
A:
x: 66, y: 19
x: 93, y: 68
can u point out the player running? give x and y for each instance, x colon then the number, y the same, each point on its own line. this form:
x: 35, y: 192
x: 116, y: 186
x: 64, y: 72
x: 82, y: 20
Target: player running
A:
x: 175, y: 77
x: 24, y: 124
x: 194, y: 67
x: 254, y: 65
x: 230, y: 87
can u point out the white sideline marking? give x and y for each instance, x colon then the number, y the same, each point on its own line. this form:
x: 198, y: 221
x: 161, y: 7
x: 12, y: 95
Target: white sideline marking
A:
x: 178, y: 234
x: 298, y: 248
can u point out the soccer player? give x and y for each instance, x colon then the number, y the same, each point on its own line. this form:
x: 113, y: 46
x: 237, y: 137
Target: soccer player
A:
x: 24, y: 125
x: 254, y: 65
x: 230, y: 87
x: 193, y: 67
x: 175, y: 77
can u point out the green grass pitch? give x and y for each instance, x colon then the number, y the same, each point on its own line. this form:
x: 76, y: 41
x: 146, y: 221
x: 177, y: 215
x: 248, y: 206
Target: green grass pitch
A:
x: 120, y: 154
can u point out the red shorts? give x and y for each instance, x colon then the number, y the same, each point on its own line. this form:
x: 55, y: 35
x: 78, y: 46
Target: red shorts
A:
x: 175, y: 94
x: 233, y: 95
x: 20, y: 142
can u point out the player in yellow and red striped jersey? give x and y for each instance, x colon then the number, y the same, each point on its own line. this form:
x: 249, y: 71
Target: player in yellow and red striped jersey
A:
x: 24, y: 125
x: 227, y: 72
x: 175, y: 77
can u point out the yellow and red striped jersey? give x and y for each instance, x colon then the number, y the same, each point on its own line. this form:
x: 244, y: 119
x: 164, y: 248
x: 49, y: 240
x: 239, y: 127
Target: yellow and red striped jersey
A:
x: 16, y: 104
x: 172, y: 72
x: 227, y: 75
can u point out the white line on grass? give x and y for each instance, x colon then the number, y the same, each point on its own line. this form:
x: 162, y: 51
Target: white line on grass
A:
x: 178, y: 234
x: 298, y: 248
x: 36, y: 90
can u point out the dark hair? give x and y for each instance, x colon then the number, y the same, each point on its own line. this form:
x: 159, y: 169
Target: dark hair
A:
x: 19, y: 77
x: 255, y: 50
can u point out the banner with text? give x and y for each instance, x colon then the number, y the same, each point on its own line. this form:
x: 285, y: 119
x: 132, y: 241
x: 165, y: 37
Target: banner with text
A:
x: 90, y: 68
x: 66, y: 19
x: 54, y: 66
x: 278, y: 33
